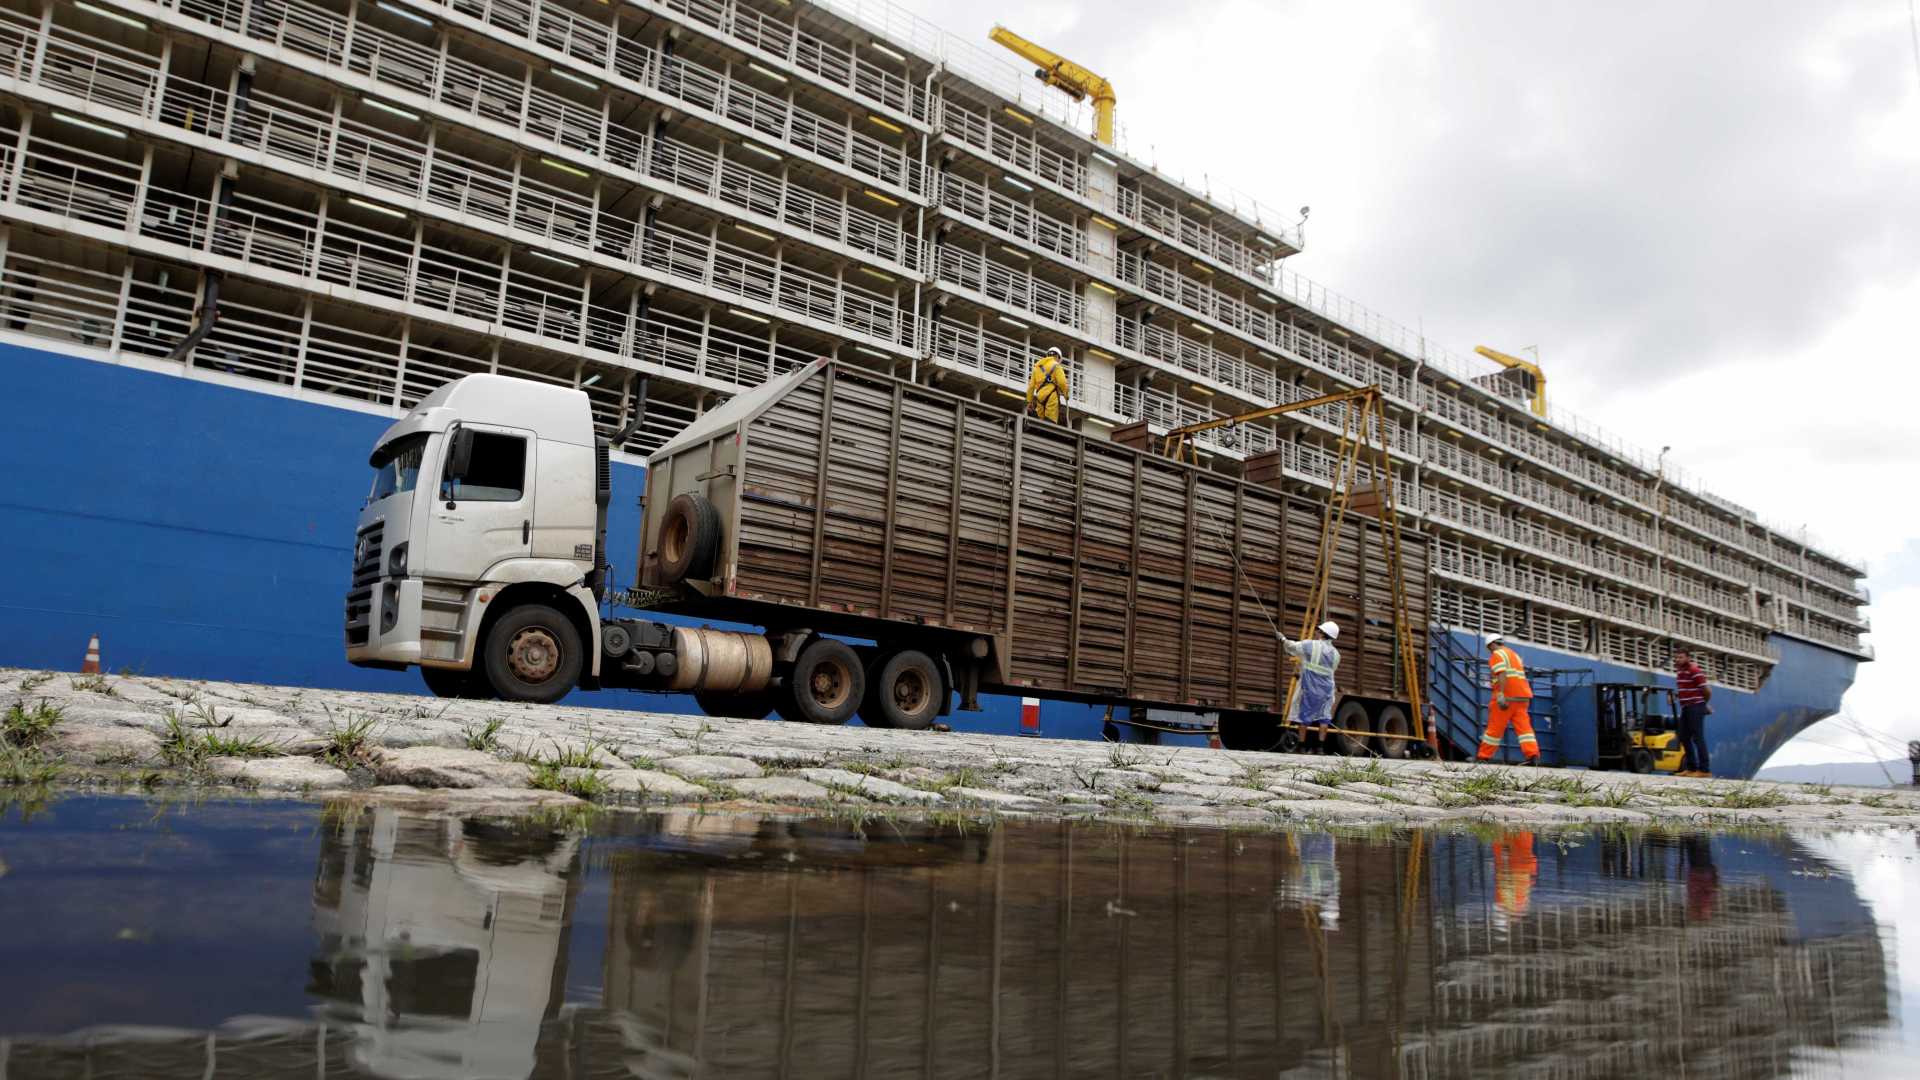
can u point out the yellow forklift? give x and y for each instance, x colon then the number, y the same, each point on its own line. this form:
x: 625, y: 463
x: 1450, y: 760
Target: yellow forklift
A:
x: 1637, y: 728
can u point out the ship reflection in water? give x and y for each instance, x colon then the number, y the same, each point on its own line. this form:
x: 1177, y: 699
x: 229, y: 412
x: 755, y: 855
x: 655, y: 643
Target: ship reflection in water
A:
x: 685, y: 944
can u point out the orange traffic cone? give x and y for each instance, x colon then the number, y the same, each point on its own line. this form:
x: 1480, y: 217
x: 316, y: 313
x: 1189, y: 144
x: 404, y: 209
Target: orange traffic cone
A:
x: 91, y: 665
x: 1213, y: 743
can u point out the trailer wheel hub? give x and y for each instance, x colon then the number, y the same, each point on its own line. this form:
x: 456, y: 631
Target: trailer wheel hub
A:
x: 533, y: 654
x: 829, y: 685
x: 910, y: 692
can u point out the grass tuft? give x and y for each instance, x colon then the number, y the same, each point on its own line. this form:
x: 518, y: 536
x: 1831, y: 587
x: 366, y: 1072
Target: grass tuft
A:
x: 965, y: 776
x: 485, y: 737
x: 548, y: 776
x: 348, y: 743
x: 26, y: 766
x: 1348, y: 773
x: 591, y: 753
x: 1746, y: 797
x: 93, y: 684
x: 184, y: 745
x: 26, y: 724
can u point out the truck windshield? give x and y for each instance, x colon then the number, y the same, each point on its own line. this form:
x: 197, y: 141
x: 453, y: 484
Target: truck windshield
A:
x: 397, y: 466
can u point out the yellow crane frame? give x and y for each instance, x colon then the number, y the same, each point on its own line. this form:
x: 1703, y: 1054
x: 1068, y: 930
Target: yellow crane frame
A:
x: 1366, y: 405
x: 1534, y: 382
x: 1063, y: 74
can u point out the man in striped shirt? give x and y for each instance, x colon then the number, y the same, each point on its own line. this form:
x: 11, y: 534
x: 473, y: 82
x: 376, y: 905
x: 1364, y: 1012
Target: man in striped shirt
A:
x: 1694, y: 693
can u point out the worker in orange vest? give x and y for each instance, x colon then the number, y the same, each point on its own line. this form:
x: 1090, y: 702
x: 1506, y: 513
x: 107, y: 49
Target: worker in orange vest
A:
x: 1514, y: 872
x: 1511, y: 696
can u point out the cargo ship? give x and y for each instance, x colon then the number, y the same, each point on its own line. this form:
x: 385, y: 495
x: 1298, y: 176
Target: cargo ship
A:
x: 238, y: 239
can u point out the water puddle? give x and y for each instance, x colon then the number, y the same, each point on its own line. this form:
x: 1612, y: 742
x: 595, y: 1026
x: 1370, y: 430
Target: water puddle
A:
x: 264, y: 939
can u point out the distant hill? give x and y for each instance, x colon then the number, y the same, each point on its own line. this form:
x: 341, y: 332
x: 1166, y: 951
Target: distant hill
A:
x: 1849, y: 773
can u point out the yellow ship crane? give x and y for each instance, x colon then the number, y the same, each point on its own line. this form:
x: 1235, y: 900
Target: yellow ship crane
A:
x: 1532, y: 379
x: 1366, y: 410
x: 1063, y: 74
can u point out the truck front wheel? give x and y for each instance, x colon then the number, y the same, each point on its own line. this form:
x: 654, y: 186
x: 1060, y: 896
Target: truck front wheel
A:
x: 533, y: 653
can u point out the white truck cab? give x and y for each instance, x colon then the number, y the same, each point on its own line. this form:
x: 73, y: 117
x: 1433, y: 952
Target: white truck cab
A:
x: 487, y: 512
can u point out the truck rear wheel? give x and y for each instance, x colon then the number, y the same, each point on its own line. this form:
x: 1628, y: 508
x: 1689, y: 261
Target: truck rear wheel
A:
x: 826, y: 684
x: 1393, y: 721
x: 755, y: 705
x: 449, y: 683
x: 1353, y: 717
x: 533, y: 653
x: 904, y: 691
x: 689, y: 538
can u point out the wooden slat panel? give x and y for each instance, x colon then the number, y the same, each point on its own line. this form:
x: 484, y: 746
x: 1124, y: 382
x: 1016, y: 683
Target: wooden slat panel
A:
x: 1153, y: 555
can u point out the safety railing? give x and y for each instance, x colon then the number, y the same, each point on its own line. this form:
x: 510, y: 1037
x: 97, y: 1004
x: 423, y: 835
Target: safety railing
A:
x: 1003, y: 143
x: 1010, y: 218
x: 365, y: 155
x: 1443, y: 454
x: 555, y: 31
x: 831, y: 64
x: 488, y: 96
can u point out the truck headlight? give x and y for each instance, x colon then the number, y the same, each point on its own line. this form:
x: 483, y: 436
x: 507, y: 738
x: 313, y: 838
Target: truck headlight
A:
x: 397, y: 561
x: 389, y: 608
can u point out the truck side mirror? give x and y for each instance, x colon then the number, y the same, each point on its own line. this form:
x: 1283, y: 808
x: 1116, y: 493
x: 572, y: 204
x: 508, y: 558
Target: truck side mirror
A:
x: 459, y: 454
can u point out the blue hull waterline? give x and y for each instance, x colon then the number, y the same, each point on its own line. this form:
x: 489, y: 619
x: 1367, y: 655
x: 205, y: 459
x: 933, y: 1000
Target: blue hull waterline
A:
x: 205, y: 531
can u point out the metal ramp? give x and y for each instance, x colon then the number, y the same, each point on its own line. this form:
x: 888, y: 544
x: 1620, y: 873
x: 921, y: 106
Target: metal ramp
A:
x: 1456, y: 699
x: 1458, y: 696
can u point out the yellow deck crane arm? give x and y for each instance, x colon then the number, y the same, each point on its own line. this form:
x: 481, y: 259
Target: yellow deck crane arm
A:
x: 1534, y: 380
x: 1061, y: 73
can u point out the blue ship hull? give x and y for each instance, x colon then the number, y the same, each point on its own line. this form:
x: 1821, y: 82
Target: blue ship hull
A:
x: 205, y: 531
x: 1743, y: 732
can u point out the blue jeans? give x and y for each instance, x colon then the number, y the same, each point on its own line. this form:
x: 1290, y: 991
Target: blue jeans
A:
x: 1693, y: 738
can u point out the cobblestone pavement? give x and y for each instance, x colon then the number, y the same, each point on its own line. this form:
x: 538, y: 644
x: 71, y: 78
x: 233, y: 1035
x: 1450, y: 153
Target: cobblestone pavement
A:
x: 130, y: 731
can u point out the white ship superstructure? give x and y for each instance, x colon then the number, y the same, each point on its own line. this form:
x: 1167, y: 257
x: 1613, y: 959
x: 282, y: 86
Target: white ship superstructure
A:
x: 354, y: 202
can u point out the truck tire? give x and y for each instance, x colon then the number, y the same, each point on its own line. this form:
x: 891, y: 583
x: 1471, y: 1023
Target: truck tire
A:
x: 689, y: 539
x: 1352, y: 716
x: 1639, y: 760
x: 1392, y: 720
x: 825, y: 685
x: 533, y: 653
x: 755, y: 705
x: 904, y: 691
x: 449, y: 683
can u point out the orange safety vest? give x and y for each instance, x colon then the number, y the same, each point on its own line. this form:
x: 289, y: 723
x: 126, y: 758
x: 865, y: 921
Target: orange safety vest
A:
x: 1514, y: 871
x: 1509, y: 674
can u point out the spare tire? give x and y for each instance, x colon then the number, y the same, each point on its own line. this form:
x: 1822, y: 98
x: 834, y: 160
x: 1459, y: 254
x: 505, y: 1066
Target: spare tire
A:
x: 689, y: 539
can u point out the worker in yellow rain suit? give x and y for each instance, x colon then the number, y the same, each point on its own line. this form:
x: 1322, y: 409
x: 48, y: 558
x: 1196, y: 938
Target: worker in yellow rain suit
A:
x: 1514, y: 872
x: 1047, y: 386
x: 1512, y: 694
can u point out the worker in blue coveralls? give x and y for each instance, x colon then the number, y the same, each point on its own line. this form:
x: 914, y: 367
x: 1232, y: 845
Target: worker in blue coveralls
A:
x: 1313, y: 700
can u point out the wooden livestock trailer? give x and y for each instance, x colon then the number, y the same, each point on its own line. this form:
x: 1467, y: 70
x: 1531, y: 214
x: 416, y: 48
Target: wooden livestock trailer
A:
x: 1024, y: 557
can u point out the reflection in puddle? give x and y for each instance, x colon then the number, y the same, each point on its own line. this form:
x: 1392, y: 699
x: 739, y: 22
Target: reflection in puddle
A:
x: 686, y: 944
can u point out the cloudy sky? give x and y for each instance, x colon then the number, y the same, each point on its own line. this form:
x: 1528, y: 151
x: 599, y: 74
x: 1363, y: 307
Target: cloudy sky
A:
x: 1706, y: 216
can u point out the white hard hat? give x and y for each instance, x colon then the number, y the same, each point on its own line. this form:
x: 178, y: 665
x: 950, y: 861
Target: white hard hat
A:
x: 1331, y: 629
x: 1495, y: 638
x: 1054, y: 351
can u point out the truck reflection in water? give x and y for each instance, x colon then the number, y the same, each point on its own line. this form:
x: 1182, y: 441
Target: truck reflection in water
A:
x: 740, y: 946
